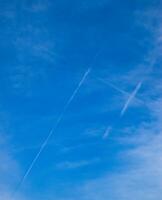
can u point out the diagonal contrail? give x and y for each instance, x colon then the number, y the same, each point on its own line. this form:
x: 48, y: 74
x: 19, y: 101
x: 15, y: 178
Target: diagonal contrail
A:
x: 113, y: 86
x: 126, y: 105
x: 107, y: 132
x: 54, y: 129
x: 131, y: 97
x: 123, y: 92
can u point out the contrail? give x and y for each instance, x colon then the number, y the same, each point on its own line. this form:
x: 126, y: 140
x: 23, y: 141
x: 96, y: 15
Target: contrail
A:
x: 107, y: 132
x: 123, y: 92
x: 113, y: 86
x: 126, y: 105
x: 54, y: 129
x: 131, y: 97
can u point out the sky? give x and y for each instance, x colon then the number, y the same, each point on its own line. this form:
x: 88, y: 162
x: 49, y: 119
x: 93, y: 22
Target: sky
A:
x: 80, y: 100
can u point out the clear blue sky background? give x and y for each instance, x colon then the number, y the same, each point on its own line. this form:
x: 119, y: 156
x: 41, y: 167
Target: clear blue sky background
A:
x: 96, y: 153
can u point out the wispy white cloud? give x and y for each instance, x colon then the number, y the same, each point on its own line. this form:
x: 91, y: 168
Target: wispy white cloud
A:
x: 37, y: 6
x: 94, y: 132
x: 37, y: 48
x: 9, y: 171
x: 75, y: 164
x: 30, y: 41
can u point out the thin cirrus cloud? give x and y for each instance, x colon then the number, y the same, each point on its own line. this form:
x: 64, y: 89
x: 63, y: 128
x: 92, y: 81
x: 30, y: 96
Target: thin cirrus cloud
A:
x: 37, y: 6
x: 67, y: 165
x: 9, y: 171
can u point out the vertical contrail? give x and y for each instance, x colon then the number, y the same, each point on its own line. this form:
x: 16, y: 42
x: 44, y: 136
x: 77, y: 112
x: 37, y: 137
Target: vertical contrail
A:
x: 54, y: 129
x: 131, y: 97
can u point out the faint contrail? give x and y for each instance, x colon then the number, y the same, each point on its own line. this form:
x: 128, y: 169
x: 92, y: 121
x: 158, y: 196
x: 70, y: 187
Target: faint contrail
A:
x: 131, y: 97
x: 107, y: 132
x: 54, y: 129
x: 113, y: 86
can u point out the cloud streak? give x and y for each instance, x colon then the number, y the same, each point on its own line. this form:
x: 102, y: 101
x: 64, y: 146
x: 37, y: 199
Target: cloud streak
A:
x: 75, y: 165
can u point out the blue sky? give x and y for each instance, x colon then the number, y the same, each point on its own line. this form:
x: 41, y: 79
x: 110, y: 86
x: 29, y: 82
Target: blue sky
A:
x: 107, y: 143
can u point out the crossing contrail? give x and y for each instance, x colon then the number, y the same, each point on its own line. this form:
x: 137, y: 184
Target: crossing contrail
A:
x: 54, y: 128
x: 126, y: 105
x: 113, y: 86
x: 131, y: 97
x: 123, y: 92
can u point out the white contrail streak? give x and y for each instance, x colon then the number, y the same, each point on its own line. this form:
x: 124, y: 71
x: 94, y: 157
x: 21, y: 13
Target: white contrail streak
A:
x: 131, y: 97
x: 54, y: 129
x: 113, y: 86
x: 107, y: 132
x: 123, y: 92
